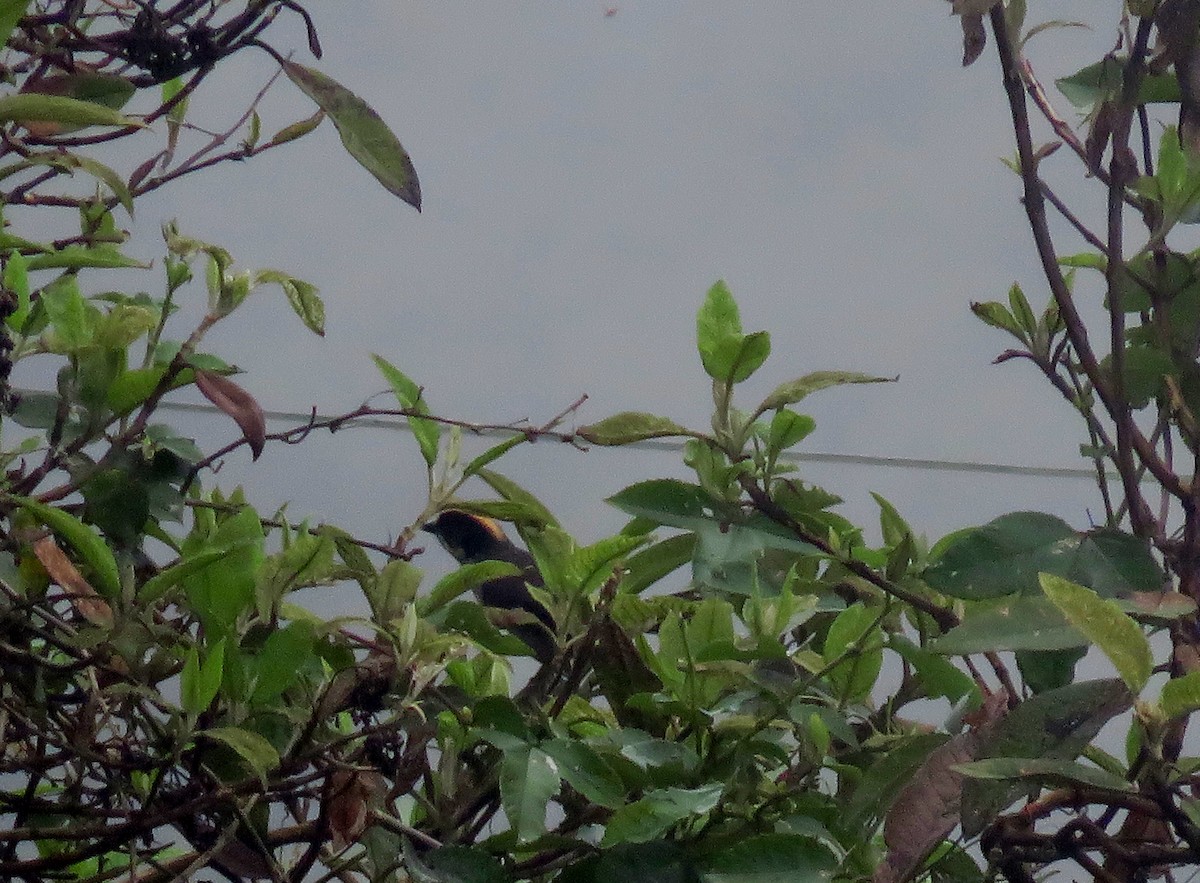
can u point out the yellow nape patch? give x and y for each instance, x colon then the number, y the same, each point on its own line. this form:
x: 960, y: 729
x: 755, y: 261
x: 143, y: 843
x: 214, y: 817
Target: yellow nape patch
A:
x: 492, y: 526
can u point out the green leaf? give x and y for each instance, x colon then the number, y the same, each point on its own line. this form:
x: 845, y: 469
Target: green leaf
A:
x: 939, y: 677
x: 1005, y: 556
x: 1057, y: 724
x: 30, y: 107
x: 298, y: 129
x: 658, y: 861
x: 466, y: 578
x: 1021, y: 311
x: 653, y: 563
x: 631, y: 426
x: 10, y: 13
x: 118, y: 502
x: 88, y: 545
x: 1181, y: 695
x: 72, y: 320
x: 651, y: 816
x: 221, y: 591
x: 169, y: 577
x: 795, y: 390
x: 586, y: 771
x: 854, y: 637
x: 769, y: 858
x: 198, y: 684
x: 279, y: 662
x: 302, y: 297
x: 788, y: 428
x: 510, y: 490
x: 411, y: 397
x: 1056, y: 773
x: 80, y: 257
x: 590, y: 566
x: 495, y: 452
x: 528, y: 779
x: 449, y: 864
x: 251, y: 747
x: 392, y: 590
x: 666, y: 501
x: 749, y: 356
x: 109, y: 178
x: 131, y: 388
x: 1019, y: 622
x: 1121, y: 639
x: 718, y: 331
x: 1103, y: 80
x: 16, y: 279
x: 364, y: 134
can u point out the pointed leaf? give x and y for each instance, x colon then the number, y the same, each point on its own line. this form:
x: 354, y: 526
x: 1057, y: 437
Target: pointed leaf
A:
x: 650, y: 817
x: 1121, y: 639
x: 795, y: 390
x: 666, y: 501
x: 586, y: 771
x: 631, y: 426
x: 1056, y: 773
x: 364, y: 134
x: 84, y: 599
x: 1017, y: 623
x: 1004, y: 557
x: 199, y: 683
x: 86, y: 542
x: 1181, y: 695
x: 510, y: 490
x: 251, y: 747
x: 235, y: 402
x: 30, y: 107
x: 411, y: 397
x: 10, y: 13
x: 529, y: 777
x: 466, y: 578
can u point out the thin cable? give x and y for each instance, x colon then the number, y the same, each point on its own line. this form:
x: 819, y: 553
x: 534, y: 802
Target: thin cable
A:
x: 919, y: 463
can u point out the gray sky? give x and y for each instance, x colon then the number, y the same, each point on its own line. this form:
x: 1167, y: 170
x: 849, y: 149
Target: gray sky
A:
x: 586, y: 178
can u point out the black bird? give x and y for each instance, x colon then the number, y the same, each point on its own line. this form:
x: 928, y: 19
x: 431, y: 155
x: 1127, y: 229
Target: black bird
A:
x: 474, y: 538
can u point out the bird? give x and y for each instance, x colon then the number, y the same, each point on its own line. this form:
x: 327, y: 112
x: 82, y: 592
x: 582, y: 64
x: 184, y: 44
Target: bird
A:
x: 471, y: 538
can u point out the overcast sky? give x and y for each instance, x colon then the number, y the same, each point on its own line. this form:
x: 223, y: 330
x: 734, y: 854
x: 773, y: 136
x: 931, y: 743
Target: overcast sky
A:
x: 586, y: 178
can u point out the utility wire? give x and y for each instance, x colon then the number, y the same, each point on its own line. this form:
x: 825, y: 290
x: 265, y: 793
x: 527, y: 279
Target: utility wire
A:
x: 927, y: 465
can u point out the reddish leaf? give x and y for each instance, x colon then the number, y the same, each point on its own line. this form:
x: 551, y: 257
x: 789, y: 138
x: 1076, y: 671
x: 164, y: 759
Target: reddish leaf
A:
x: 238, y: 404
x: 87, y: 601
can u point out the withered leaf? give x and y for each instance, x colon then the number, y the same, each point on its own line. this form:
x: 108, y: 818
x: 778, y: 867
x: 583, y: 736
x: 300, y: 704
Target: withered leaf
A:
x: 86, y: 600
x: 927, y: 809
x: 974, y: 38
x: 238, y: 404
x: 349, y: 799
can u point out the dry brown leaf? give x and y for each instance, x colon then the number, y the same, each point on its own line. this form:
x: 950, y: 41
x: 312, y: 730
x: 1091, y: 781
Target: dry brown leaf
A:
x: 350, y: 797
x: 238, y: 404
x: 974, y: 38
x: 927, y: 809
x: 86, y: 600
